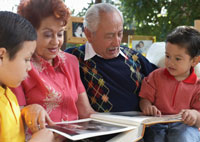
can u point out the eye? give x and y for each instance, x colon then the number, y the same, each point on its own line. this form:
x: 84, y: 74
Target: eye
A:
x: 60, y: 34
x: 47, y: 34
x: 178, y: 59
x: 109, y: 36
x: 120, y: 34
x: 167, y: 56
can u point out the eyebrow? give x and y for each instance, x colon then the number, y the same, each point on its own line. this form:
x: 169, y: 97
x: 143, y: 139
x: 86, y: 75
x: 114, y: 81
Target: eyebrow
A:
x: 53, y: 30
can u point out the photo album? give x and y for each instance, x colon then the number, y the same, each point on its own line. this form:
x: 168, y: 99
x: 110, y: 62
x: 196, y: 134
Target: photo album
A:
x: 130, y: 126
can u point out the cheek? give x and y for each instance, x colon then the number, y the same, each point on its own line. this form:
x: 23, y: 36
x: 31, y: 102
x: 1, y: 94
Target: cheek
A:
x: 61, y: 41
x: 39, y: 50
x: 167, y: 62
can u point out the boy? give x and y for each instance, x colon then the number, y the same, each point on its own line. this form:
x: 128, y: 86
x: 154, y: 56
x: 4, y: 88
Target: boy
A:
x: 17, y: 44
x: 175, y: 89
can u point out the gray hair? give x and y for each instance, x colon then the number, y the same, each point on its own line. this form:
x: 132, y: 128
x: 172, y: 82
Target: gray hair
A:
x: 92, y: 17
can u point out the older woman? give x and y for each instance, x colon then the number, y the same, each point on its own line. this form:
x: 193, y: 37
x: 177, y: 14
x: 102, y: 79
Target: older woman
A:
x: 54, y: 81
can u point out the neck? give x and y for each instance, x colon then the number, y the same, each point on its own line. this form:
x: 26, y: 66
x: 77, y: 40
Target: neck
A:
x: 37, y: 58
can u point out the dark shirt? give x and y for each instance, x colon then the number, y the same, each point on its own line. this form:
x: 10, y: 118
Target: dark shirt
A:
x: 113, y: 84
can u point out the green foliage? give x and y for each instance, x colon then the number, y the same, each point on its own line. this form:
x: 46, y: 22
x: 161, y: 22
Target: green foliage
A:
x: 146, y: 18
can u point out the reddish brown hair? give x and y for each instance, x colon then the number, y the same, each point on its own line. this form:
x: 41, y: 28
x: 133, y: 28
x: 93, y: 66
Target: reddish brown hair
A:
x: 36, y: 10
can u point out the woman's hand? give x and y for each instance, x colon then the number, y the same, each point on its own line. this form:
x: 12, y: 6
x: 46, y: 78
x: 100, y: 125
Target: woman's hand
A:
x: 83, y: 106
x: 35, y: 117
x: 43, y: 135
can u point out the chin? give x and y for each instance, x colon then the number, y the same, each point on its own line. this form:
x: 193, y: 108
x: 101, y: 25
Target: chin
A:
x: 14, y: 85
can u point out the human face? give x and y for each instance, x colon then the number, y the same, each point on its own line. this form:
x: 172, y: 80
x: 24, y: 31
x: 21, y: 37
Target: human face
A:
x: 50, y: 38
x: 178, y: 62
x: 14, y: 71
x: 107, y: 38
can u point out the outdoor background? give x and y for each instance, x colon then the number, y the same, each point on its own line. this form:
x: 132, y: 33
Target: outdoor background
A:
x: 141, y: 17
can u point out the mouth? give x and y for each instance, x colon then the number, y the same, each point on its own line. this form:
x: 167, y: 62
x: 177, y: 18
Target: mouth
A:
x: 113, y: 50
x: 53, y: 50
x: 171, y: 69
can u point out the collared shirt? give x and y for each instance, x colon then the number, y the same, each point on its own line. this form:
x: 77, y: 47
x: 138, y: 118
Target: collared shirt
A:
x: 55, y: 87
x: 169, y: 95
x: 89, y: 52
x: 11, y: 126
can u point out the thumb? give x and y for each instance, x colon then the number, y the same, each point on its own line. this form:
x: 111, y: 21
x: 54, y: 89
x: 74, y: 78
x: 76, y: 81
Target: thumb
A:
x: 48, y: 120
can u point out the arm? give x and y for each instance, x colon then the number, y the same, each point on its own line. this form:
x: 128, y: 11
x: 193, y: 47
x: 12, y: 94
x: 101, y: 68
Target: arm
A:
x: 83, y: 106
x: 35, y: 117
x: 149, y: 109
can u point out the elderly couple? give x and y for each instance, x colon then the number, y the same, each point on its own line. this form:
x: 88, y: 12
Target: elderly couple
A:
x: 110, y: 75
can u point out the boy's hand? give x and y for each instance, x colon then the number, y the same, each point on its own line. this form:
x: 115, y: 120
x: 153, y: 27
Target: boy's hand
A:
x: 189, y: 116
x: 151, y: 110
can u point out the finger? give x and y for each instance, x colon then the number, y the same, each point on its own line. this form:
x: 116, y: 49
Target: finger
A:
x: 189, y: 120
x: 155, y: 111
x: 184, y: 115
x: 48, y: 119
x: 148, y: 111
x: 41, y: 120
x: 145, y: 111
x: 158, y: 113
x: 35, y: 127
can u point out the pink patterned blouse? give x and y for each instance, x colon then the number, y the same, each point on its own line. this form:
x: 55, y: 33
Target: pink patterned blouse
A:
x: 55, y: 87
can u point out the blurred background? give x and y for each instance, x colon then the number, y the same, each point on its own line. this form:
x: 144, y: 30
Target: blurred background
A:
x: 142, y: 17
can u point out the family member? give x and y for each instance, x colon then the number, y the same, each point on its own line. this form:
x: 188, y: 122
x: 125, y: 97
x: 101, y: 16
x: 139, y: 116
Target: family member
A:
x: 111, y: 74
x: 54, y: 81
x: 175, y: 89
x: 17, y: 44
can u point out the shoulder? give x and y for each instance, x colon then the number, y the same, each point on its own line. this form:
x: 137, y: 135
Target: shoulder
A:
x: 131, y: 53
x: 75, y: 49
x: 157, y: 73
x: 79, y: 52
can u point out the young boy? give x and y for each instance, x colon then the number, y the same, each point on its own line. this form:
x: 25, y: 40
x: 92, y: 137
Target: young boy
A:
x: 175, y: 89
x: 17, y: 44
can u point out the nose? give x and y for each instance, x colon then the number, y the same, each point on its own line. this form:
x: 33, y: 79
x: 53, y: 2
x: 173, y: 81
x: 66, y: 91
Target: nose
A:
x: 29, y: 67
x: 116, y: 41
x: 170, y: 62
x: 55, y: 40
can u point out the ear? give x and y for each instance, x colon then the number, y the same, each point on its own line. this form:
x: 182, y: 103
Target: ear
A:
x: 196, y: 60
x: 88, y: 34
x: 2, y: 54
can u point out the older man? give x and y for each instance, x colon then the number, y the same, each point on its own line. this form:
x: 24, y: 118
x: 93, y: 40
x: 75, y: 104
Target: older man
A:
x: 111, y: 74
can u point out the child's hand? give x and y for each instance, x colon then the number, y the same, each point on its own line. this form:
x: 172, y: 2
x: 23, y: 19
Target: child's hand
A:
x: 151, y: 110
x: 189, y: 116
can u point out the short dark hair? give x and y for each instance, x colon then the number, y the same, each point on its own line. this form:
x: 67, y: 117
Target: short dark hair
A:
x: 14, y: 30
x: 186, y: 37
x: 36, y: 10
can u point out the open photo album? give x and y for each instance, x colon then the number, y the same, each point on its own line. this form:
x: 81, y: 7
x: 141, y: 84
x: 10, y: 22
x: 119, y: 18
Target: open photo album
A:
x: 130, y: 126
